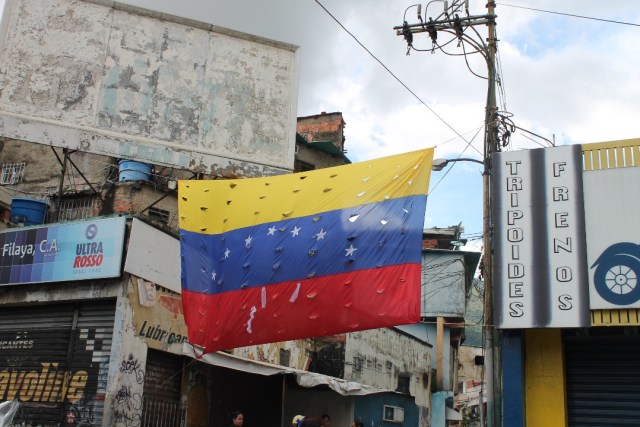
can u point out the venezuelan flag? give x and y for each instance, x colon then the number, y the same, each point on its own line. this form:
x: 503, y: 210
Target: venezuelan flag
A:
x: 301, y: 255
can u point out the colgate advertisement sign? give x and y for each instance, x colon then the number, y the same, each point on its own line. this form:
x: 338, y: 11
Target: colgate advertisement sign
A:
x: 61, y: 252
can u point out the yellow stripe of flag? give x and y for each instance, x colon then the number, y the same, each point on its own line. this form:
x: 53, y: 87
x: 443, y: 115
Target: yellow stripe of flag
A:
x: 218, y: 206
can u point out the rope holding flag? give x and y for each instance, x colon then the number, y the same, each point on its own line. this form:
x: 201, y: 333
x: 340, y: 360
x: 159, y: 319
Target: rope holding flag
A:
x: 301, y: 255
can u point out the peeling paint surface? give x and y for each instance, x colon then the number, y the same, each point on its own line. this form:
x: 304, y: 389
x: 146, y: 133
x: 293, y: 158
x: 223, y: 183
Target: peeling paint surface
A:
x: 378, y: 357
x: 91, y: 77
x: 297, y: 350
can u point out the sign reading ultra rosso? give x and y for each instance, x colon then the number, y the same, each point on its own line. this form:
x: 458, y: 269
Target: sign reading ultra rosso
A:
x: 74, y: 251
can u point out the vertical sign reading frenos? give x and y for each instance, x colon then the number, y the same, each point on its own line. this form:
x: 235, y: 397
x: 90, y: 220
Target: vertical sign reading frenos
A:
x: 540, y: 268
x: 73, y: 251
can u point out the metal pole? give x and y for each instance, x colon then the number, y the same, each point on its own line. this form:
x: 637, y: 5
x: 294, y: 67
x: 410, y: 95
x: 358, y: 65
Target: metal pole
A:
x: 489, y: 149
x: 61, y: 186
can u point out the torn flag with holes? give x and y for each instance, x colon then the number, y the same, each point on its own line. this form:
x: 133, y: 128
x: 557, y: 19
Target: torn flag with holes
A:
x: 301, y: 255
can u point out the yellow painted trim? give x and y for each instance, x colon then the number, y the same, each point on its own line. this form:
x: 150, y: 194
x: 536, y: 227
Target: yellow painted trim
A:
x: 612, y: 154
x: 622, y: 317
x: 545, y: 391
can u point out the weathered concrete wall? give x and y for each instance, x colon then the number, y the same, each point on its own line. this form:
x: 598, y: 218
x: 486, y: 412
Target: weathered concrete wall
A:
x: 317, y: 158
x: 377, y: 357
x: 113, y: 79
x: 134, y: 197
x: 42, y: 175
x: 42, y: 171
x: 323, y: 127
x: 467, y: 369
x: 127, y: 370
x: 53, y: 292
x: 298, y: 351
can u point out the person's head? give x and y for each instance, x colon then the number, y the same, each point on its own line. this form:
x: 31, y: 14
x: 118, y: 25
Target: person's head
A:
x: 357, y: 423
x: 312, y: 421
x: 297, y: 420
x: 326, y: 420
x: 237, y: 419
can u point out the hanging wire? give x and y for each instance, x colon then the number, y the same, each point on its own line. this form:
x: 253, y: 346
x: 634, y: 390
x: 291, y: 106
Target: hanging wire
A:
x: 500, y: 81
x: 453, y: 163
x: 464, y: 133
x: 573, y: 15
x: 391, y: 73
x: 435, y: 46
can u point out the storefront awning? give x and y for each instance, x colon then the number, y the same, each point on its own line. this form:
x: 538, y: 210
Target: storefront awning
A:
x: 303, y: 378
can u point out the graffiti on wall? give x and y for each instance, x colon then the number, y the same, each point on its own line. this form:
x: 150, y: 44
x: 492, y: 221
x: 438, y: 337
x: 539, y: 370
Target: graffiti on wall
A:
x: 127, y: 404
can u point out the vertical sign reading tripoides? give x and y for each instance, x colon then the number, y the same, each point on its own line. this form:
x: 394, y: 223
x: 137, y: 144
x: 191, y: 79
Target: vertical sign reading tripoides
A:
x: 540, y: 251
x: 513, y: 227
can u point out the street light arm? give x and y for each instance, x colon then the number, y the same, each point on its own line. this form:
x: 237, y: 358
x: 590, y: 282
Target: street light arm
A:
x: 439, y: 164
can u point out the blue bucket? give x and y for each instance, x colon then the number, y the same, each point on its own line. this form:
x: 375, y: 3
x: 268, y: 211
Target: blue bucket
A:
x: 130, y: 170
x: 28, y: 211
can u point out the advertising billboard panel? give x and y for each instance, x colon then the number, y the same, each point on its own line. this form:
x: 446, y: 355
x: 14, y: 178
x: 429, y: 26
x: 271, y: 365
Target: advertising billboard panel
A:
x: 62, y: 252
x: 612, y: 209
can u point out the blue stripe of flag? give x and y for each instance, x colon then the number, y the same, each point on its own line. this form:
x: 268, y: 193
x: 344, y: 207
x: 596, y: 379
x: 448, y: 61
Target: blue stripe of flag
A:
x: 363, y: 237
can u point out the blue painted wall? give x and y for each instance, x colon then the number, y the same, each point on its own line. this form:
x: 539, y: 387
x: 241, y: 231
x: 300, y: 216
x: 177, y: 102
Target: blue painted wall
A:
x: 368, y: 409
x: 512, y: 379
x: 438, y: 408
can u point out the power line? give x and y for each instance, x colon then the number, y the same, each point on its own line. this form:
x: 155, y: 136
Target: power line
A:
x: 571, y: 15
x: 453, y: 163
x: 391, y: 73
x: 500, y: 82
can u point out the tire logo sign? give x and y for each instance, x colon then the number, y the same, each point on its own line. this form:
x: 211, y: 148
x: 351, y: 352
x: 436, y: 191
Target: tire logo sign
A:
x: 617, y: 273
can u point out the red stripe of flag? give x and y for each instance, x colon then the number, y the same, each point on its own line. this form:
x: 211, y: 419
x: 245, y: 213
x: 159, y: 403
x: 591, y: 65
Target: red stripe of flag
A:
x: 346, y: 302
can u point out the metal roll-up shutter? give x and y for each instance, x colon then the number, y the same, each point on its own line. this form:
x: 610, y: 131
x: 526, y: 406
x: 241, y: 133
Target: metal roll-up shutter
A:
x: 52, y: 361
x: 34, y: 342
x: 91, y: 354
x: 603, y: 377
x: 162, y: 382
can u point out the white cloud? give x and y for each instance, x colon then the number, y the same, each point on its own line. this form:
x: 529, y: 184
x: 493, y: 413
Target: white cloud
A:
x: 564, y: 76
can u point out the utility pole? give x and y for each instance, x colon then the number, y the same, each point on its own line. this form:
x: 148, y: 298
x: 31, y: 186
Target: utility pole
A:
x: 491, y: 145
x: 450, y: 22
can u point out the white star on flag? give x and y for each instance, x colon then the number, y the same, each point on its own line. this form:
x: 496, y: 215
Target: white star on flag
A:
x: 320, y: 235
x: 272, y: 231
x: 295, y: 231
x: 227, y: 253
x: 247, y: 241
x: 350, y: 250
x: 213, y: 276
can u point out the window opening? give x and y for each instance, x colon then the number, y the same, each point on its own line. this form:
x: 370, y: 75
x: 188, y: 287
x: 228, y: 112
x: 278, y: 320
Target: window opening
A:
x: 71, y: 209
x: 160, y: 215
x: 12, y: 173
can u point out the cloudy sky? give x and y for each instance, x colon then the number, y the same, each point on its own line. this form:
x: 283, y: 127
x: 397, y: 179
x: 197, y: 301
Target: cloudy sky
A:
x: 563, y: 77
x: 567, y: 79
